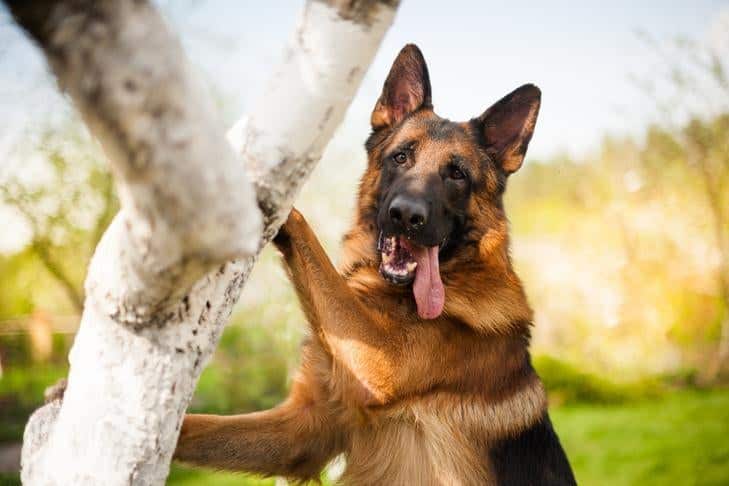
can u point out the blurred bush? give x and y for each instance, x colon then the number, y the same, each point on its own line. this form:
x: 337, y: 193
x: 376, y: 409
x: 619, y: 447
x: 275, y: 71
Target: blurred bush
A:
x: 248, y: 373
x: 620, y: 252
x: 21, y: 392
x: 567, y: 384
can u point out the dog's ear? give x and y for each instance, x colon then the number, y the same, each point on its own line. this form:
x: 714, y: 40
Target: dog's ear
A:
x: 507, y: 126
x: 406, y: 89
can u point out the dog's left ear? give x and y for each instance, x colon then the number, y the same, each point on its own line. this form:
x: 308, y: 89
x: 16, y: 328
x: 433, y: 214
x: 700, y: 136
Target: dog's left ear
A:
x: 507, y: 126
x: 407, y: 89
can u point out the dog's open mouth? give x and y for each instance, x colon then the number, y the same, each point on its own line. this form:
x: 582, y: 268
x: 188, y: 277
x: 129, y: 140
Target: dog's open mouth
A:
x: 403, y: 262
x: 398, y: 262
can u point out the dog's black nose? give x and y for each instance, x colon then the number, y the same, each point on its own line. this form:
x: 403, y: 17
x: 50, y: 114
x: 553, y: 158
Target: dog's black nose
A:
x: 409, y: 213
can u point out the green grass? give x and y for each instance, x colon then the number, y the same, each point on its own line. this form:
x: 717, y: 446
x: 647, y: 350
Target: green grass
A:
x: 679, y: 440
x: 183, y: 476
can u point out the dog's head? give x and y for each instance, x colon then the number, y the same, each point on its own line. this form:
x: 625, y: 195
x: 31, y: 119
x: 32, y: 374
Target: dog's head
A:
x: 433, y: 186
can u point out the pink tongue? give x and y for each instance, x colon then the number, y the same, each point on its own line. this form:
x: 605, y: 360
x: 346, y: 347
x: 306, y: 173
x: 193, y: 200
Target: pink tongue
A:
x: 428, y: 288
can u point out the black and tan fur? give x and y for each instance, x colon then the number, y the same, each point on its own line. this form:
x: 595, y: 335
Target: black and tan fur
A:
x: 447, y: 401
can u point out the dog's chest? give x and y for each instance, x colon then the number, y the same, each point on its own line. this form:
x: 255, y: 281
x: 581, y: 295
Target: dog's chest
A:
x: 415, y: 448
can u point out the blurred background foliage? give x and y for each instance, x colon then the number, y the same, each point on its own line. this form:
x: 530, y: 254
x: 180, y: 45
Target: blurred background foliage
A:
x: 624, y: 253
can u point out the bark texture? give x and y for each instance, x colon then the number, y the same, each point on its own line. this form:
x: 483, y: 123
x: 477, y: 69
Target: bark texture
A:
x: 162, y: 282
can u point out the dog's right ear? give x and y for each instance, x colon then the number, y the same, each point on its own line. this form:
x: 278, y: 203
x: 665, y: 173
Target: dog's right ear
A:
x: 507, y: 126
x: 406, y: 89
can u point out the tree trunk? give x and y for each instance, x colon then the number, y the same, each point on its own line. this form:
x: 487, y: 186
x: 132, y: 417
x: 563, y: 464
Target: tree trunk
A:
x: 162, y: 282
x: 713, y: 192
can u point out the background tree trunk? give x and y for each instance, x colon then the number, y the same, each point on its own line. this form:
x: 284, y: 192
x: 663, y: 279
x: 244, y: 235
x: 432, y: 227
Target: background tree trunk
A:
x: 162, y: 282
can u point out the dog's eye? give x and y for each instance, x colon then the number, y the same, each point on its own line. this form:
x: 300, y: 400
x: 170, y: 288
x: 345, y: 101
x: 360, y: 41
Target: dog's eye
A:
x: 457, y: 174
x: 400, y: 157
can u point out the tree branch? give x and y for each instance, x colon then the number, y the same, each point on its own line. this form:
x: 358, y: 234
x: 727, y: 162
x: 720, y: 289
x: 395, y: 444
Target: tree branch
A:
x: 181, y: 187
x: 150, y: 322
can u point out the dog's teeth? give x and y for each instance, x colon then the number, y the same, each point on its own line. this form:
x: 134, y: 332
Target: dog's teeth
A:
x: 411, y: 266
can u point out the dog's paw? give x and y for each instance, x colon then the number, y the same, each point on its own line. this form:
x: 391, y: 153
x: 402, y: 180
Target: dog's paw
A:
x: 55, y: 391
x: 282, y: 240
x: 295, y: 218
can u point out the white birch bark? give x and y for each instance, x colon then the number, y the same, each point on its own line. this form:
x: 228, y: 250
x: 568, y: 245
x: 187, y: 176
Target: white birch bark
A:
x: 162, y: 284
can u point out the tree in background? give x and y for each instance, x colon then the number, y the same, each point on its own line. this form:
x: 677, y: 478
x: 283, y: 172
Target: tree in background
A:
x: 708, y: 152
x: 68, y: 208
x: 692, y: 97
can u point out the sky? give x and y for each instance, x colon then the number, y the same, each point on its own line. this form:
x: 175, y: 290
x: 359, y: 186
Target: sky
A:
x: 585, y: 56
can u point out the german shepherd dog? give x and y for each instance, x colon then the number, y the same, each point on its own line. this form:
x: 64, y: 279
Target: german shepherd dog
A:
x: 417, y: 368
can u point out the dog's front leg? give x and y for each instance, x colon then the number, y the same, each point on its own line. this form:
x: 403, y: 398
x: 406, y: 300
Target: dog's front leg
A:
x: 291, y: 440
x: 364, y: 347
